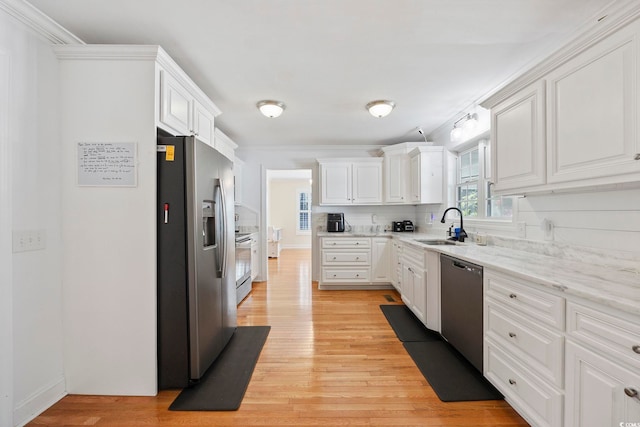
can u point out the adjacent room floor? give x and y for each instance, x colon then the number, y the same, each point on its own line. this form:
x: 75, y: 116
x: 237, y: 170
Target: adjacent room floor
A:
x: 331, y: 359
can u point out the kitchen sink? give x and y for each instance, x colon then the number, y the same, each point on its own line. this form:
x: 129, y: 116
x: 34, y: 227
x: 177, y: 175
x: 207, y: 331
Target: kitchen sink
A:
x: 435, y: 242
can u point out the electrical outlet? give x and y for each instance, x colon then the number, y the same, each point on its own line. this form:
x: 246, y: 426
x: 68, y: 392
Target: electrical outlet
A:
x: 547, y: 229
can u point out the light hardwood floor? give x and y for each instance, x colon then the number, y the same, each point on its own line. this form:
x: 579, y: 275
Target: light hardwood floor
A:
x: 330, y: 359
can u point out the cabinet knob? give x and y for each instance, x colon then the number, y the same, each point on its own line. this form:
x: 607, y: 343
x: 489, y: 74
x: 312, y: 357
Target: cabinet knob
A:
x: 637, y: 157
x: 357, y: 275
x: 334, y: 257
x: 357, y: 258
x: 631, y: 392
x: 513, y: 296
x: 334, y: 275
x: 512, y: 382
x: 512, y: 334
x: 636, y: 349
x: 357, y: 243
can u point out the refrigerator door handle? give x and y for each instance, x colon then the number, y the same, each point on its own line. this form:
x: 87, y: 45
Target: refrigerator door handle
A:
x: 221, y: 219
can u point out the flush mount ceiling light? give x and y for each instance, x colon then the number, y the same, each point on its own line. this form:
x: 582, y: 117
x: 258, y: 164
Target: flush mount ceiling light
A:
x: 380, y: 108
x: 270, y: 108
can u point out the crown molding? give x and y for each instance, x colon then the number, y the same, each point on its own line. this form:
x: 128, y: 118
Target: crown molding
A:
x: 39, y: 22
x: 618, y: 14
x: 107, y: 51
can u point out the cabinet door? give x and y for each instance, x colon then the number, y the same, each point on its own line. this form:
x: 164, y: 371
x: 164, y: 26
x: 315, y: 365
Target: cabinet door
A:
x: 203, y: 123
x: 175, y: 105
x: 367, y: 183
x: 518, y: 140
x: 595, y: 390
x: 414, y: 171
x: 396, y: 174
x: 419, y: 301
x: 395, y: 265
x: 432, y: 285
x: 335, y: 183
x: 593, y: 111
x: 407, y: 284
x: 381, y: 249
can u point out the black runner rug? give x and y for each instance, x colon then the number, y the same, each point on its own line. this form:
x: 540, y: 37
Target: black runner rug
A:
x: 223, y: 386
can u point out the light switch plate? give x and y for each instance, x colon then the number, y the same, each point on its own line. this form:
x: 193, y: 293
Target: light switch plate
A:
x: 29, y: 240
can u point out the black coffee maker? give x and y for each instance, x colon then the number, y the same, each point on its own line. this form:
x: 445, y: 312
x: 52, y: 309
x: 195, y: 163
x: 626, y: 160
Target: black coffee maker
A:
x: 335, y: 222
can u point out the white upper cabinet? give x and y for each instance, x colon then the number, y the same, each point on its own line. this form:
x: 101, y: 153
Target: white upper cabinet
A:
x: 426, y: 175
x: 572, y: 121
x: 593, y: 111
x: 181, y: 113
x: 350, y: 181
x: 397, y: 176
x: 518, y: 139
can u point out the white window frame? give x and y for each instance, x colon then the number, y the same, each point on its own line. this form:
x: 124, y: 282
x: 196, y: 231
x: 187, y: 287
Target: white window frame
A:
x: 300, y: 191
x: 483, y: 182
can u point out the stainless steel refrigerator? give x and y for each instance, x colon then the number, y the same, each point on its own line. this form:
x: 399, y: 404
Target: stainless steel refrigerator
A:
x: 196, y: 259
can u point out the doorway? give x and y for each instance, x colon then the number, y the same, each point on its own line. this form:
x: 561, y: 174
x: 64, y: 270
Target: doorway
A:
x: 289, y: 222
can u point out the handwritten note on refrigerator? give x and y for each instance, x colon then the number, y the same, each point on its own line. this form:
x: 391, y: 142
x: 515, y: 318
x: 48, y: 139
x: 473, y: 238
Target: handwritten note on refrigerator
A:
x: 108, y: 164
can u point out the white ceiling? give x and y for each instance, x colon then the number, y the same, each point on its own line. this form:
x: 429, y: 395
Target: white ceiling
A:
x: 327, y: 58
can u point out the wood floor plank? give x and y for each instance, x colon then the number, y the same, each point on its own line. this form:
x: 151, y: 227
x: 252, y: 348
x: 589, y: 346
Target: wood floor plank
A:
x: 331, y: 359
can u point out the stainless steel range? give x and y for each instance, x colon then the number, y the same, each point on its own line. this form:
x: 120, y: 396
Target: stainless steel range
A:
x: 243, y: 266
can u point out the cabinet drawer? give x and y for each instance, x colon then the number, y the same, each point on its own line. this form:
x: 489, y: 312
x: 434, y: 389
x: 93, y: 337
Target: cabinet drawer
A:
x: 346, y: 242
x: 413, y: 255
x: 540, y: 403
x: 608, y: 333
x: 345, y: 275
x: 523, y: 298
x: 542, y: 348
x: 341, y: 258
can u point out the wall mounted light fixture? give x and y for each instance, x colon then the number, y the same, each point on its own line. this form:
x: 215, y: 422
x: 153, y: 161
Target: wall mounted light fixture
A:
x: 380, y: 108
x: 271, y: 108
x: 467, y: 126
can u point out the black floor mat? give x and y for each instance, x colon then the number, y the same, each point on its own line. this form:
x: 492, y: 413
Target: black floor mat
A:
x: 223, y: 386
x: 406, y: 325
x: 450, y: 375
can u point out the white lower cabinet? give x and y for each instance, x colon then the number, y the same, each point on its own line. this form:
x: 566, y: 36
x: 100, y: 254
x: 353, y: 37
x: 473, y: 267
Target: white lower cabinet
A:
x: 255, y: 256
x: 380, y: 259
x: 355, y: 262
x: 600, y: 391
x: 413, y: 286
x: 603, y: 368
x: 524, y: 346
x: 538, y: 402
x: 396, y: 267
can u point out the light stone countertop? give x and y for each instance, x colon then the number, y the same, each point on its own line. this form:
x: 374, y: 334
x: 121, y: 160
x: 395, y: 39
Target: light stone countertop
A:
x: 609, y: 280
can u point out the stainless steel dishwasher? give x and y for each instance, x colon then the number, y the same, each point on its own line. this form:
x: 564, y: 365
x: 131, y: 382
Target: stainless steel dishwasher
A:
x: 461, y: 307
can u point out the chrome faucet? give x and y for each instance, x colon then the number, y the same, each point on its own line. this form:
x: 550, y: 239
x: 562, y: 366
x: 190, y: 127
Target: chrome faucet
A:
x: 463, y: 234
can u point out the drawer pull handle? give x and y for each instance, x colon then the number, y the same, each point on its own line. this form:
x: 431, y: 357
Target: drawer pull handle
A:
x: 512, y: 334
x: 512, y: 382
x: 513, y: 296
x: 357, y: 243
x: 636, y: 349
x: 357, y: 258
x: 334, y: 275
x: 631, y: 392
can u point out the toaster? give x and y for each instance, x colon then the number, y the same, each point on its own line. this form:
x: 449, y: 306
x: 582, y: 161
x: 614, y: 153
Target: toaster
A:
x: 407, y: 225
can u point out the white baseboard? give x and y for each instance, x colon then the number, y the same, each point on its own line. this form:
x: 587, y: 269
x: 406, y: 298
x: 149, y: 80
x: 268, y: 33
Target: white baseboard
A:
x: 38, y: 402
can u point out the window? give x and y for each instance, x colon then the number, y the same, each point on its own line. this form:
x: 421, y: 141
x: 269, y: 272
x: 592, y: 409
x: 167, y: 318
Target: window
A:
x: 473, y: 189
x: 304, y: 212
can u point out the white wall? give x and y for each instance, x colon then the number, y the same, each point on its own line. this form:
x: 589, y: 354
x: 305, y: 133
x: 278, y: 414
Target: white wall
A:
x: 31, y: 285
x: 283, y: 211
x: 109, y: 232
